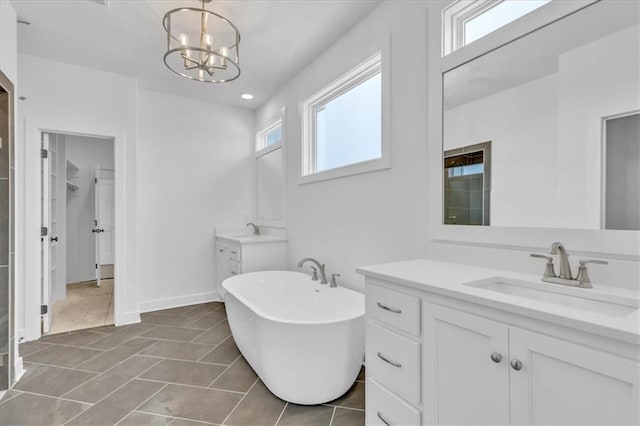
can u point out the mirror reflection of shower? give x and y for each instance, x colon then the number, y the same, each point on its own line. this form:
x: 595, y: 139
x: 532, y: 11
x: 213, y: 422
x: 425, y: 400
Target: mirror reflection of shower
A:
x: 467, y: 185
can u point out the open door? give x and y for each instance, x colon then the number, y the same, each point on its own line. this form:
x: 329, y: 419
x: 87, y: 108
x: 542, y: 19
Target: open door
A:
x: 48, y: 239
x: 104, y: 220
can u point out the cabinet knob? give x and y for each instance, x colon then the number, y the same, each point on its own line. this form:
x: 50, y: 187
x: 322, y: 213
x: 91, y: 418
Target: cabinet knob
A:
x: 220, y: 250
x: 496, y: 357
x: 516, y: 365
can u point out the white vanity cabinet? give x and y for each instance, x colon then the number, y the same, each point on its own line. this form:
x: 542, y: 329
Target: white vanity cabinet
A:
x: 454, y: 358
x: 236, y: 255
x: 482, y: 371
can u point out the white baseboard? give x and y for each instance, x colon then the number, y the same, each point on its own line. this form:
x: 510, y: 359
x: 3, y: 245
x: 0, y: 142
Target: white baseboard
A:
x: 175, y: 302
x: 18, y: 368
x: 128, y: 318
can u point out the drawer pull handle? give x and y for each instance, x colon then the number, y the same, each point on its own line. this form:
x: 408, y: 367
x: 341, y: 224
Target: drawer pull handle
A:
x: 234, y: 252
x: 233, y: 273
x: 388, y: 361
x: 381, y: 417
x: 386, y: 308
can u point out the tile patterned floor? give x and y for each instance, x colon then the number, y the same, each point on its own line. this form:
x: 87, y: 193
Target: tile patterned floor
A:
x: 178, y: 367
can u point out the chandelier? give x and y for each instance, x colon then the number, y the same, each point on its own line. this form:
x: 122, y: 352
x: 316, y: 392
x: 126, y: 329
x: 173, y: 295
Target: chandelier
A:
x: 202, y: 45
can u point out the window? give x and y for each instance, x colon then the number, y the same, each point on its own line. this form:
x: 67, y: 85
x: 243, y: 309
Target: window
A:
x: 468, y: 20
x: 270, y: 136
x: 343, y: 125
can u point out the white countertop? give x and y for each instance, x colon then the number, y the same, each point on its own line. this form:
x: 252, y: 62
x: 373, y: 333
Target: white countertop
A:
x: 251, y: 239
x: 448, y: 278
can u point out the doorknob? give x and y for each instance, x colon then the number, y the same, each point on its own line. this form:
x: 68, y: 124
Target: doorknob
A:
x: 516, y: 365
x: 97, y: 230
x: 53, y: 239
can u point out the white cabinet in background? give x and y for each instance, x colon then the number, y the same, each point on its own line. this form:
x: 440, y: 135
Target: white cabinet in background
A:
x: 248, y: 254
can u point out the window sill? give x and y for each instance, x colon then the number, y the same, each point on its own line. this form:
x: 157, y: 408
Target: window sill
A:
x: 349, y: 170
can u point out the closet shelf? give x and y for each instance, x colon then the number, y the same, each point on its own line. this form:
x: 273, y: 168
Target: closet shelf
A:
x: 72, y: 169
x: 72, y: 187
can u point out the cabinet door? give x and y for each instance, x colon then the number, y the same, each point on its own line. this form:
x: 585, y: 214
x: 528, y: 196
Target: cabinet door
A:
x: 223, y: 270
x: 564, y: 383
x: 463, y: 384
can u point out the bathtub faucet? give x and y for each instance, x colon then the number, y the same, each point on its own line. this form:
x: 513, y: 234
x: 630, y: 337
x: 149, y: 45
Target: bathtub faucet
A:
x: 320, y: 267
x: 256, y: 229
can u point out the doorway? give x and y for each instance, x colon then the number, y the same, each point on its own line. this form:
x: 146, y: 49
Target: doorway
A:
x: 78, y: 232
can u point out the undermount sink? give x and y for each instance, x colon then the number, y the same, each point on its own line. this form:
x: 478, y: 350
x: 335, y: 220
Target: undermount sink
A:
x: 577, y: 298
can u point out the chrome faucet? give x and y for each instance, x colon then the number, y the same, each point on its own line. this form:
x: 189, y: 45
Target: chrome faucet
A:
x: 566, y: 277
x: 256, y: 229
x: 320, y: 268
x: 563, y: 258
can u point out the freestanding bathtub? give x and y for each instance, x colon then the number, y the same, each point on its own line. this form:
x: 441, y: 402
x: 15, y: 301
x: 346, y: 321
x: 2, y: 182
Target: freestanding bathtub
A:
x: 305, y: 340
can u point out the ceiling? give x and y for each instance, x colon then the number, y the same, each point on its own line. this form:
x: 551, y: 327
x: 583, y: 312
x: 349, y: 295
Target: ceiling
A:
x: 279, y: 38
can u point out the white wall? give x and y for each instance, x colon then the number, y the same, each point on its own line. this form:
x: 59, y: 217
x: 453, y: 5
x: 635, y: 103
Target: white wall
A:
x: 85, y: 153
x: 368, y: 218
x: 194, y: 174
x: 524, y: 145
x: 72, y: 99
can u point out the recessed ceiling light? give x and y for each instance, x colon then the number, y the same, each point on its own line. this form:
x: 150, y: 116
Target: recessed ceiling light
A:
x: 247, y: 96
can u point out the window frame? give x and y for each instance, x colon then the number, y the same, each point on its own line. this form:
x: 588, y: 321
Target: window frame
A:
x: 261, y: 138
x: 375, y: 64
x: 457, y: 14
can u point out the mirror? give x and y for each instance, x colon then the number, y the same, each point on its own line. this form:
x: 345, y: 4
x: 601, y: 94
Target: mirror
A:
x: 269, y: 187
x: 544, y: 131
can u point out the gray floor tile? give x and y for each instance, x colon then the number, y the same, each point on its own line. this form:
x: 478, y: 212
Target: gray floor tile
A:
x: 259, y: 407
x: 102, y: 385
x: 225, y: 353
x: 29, y: 348
x: 49, y: 380
x: 62, y: 356
x: 192, y: 403
x: 346, y: 417
x: 238, y: 377
x: 208, y: 320
x: 159, y: 319
x: 306, y: 415
x: 184, y: 372
x: 76, y: 338
x: 177, y: 350
x: 119, y: 404
x: 216, y: 335
x: 8, y: 395
x: 183, y: 422
x: 353, y: 398
x: 142, y: 419
x: 120, y: 336
x: 180, y: 334
x: 176, y: 311
x: 35, y: 410
x: 110, y: 358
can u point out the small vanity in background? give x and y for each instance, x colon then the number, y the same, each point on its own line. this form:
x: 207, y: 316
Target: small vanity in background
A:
x: 449, y: 343
x: 248, y: 249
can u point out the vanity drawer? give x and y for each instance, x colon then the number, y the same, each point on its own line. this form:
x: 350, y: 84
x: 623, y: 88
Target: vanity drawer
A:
x: 399, y: 310
x: 385, y: 408
x: 394, y: 361
x: 234, y: 253
x: 234, y: 268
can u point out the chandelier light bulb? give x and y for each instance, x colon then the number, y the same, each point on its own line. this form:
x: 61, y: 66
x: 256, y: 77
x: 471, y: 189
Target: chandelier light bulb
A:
x: 208, y: 40
x: 184, y: 40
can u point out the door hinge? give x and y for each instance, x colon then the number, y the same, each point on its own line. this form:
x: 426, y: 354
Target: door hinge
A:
x: 44, y: 309
x: 96, y: 180
x: 96, y: 266
x: 44, y: 153
x: 44, y: 231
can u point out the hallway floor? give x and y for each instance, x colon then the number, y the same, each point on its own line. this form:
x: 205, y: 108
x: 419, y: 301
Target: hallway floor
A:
x: 178, y: 366
x: 86, y: 306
